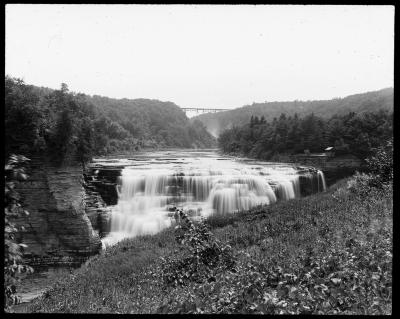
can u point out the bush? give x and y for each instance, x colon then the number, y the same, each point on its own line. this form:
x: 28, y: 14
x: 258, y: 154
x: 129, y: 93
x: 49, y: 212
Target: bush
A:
x: 361, y: 184
x: 381, y: 164
x: 380, y: 176
x: 202, y: 257
x: 13, y: 262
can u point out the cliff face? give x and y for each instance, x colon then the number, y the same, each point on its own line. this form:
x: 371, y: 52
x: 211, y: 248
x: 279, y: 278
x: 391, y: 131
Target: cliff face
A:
x: 57, y: 225
x: 334, y: 168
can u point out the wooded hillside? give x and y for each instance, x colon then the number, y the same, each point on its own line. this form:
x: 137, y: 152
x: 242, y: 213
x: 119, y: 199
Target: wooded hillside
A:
x: 64, y: 124
x: 352, y: 133
x: 359, y: 103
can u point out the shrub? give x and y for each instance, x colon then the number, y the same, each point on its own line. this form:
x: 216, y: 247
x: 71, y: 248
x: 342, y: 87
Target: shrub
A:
x: 380, y: 176
x: 202, y: 257
x: 13, y: 262
x: 361, y: 184
x: 381, y: 164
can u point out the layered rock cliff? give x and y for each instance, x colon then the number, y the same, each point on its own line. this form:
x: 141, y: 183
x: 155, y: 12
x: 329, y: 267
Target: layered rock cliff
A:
x: 57, y: 225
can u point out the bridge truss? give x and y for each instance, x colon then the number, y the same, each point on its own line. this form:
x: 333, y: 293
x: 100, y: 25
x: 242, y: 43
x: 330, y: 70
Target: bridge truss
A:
x: 201, y: 110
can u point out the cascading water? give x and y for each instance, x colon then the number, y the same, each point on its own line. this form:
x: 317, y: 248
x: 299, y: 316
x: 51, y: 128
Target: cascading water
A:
x: 141, y: 198
x: 289, y: 189
x: 321, y: 178
x: 147, y: 193
x: 232, y: 193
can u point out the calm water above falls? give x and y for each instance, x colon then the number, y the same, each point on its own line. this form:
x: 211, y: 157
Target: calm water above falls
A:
x: 200, y: 182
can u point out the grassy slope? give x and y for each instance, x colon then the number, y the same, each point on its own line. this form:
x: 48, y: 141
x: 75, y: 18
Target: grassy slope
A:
x: 327, y: 253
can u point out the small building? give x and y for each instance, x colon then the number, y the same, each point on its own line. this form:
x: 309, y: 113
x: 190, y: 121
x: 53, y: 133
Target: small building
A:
x: 330, y: 151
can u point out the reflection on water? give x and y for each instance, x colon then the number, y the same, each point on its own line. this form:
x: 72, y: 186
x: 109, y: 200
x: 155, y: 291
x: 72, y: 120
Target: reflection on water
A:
x: 201, y: 182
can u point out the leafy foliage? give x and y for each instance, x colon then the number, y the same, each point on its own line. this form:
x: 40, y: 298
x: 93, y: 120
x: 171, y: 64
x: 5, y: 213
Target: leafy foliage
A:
x: 361, y: 184
x: 202, y: 257
x: 13, y: 261
x: 380, y: 177
x: 380, y: 163
x: 69, y: 125
x: 328, y: 253
x: 349, y: 134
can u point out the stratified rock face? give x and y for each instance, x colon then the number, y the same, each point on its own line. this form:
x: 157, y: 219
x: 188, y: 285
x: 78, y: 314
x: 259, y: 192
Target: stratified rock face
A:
x: 104, y: 182
x: 57, y: 224
x: 97, y: 211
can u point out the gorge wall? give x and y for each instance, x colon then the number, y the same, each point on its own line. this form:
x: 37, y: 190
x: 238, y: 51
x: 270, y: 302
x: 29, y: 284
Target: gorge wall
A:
x: 57, y: 225
x: 334, y: 168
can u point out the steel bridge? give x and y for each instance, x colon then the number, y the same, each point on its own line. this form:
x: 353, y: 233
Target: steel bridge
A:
x: 201, y: 110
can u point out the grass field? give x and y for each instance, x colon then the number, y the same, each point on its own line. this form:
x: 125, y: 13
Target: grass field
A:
x: 329, y: 253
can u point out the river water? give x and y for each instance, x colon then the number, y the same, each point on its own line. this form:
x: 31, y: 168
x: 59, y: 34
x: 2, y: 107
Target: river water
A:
x: 202, y: 183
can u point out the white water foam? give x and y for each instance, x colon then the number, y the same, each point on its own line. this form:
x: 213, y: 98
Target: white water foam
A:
x: 206, y: 186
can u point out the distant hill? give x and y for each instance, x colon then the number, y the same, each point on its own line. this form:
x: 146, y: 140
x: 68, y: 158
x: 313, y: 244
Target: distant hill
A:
x: 157, y: 123
x: 64, y: 123
x: 359, y: 103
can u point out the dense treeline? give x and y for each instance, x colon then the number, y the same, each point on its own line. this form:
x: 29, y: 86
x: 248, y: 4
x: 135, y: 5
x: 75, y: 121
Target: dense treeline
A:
x: 65, y: 124
x: 359, y: 103
x: 356, y: 134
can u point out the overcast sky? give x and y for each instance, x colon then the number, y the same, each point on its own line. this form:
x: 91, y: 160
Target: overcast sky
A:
x: 203, y: 56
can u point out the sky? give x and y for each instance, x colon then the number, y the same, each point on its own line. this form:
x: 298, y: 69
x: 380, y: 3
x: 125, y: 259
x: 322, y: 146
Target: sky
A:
x: 208, y: 56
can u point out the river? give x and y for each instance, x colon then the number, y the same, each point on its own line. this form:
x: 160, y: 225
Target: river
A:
x: 152, y: 184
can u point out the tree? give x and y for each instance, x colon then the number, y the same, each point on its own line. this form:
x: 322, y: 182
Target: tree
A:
x: 14, y: 264
x: 381, y: 163
x: 50, y: 121
x: 21, y: 117
x: 62, y: 136
x: 252, y: 121
x: 294, y: 136
x: 64, y: 88
x: 341, y: 147
x: 85, y: 142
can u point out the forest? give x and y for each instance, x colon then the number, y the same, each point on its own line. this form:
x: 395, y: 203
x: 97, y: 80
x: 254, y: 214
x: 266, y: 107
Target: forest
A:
x: 358, y: 103
x: 352, y: 133
x: 65, y: 124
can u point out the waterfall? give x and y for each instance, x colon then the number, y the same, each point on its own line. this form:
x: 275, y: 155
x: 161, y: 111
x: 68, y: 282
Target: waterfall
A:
x: 288, y: 189
x: 322, y: 178
x: 231, y: 193
x: 144, y: 198
x: 198, y: 186
x: 312, y: 182
x: 140, y: 205
x: 147, y: 195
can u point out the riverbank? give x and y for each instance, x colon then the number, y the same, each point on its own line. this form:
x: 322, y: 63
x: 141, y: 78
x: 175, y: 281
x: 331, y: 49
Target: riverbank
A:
x: 333, y: 167
x: 329, y: 253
